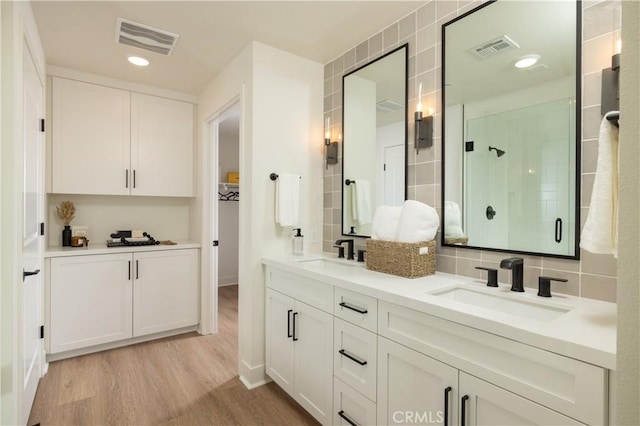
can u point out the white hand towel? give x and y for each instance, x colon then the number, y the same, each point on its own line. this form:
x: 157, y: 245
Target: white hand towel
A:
x: 418, y: 222
x: 385, y: 223
x: 287, y: 199
x: 361, y: 201
x: 600, y: 232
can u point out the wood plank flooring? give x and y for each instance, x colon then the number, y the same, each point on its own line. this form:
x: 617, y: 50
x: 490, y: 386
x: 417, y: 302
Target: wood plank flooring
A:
x: 181, y: 380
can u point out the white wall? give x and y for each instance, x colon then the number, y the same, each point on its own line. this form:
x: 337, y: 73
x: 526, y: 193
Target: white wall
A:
x: 280, y: 98
x: 628, y: 368
x: 165, y: 218
x: 17, y: 27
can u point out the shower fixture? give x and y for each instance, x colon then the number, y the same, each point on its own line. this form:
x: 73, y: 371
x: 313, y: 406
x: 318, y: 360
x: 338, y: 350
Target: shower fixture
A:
x: 499, y: 152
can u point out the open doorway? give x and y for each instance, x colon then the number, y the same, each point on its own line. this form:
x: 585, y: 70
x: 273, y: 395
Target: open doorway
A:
x: 227, y: 217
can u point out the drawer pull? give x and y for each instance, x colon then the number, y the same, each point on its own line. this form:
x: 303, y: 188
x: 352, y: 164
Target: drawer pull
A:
x: 346, y: 418
x: 289, y: 323
x: 446, y: 405
x: 463, y: 410
x: 352, y: 357
x: 353, y: 308
x: 295, y: 338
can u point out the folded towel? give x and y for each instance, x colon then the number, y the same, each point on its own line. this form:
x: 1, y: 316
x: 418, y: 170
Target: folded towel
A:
x: 287, y: 199
x: 600, y: 232
x: 361, y: 201
x: 385, y: 223
x: 418, y: 222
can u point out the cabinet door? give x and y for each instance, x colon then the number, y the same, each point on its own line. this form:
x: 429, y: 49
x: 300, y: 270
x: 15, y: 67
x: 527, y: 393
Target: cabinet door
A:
x: 90, y: 300
x: 165, y: 290
x: 492, y: 406
x: 279, y: 339
x: 161, y: 146
x: 91, y: 139
x: 313, y: 335
x: 412, y: 387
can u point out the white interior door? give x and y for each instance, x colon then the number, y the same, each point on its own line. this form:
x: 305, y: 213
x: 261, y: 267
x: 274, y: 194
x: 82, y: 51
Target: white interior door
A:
x: 31, y: 241
x: 393, y: 175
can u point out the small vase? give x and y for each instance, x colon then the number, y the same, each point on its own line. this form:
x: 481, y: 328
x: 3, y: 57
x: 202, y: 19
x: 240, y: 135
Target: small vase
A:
x: 66, y: 236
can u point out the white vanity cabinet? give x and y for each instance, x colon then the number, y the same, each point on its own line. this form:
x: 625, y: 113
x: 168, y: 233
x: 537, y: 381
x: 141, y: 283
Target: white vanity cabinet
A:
x: 414, y: 388
x: 396, y: 365
x: 103, y: 298
x: 299, y: 342
x: 108, y: 141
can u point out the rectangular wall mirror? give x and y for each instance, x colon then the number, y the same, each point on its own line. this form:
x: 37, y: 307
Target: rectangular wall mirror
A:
x: 374, y: 149
x: 511, y: 144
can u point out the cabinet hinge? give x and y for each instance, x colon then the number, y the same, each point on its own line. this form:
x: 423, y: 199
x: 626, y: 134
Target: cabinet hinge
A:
x: 42, y: 331
x: 41, y: 228
x: 215, y: 243
x: 42, y: 124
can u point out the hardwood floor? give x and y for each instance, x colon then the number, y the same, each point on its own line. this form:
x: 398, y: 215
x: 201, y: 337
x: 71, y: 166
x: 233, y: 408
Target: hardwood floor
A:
x: 181, y: 380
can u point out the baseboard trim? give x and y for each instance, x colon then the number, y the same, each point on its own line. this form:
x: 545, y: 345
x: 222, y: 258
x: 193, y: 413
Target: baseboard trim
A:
x: 118, y: 344
x: 252, y: 377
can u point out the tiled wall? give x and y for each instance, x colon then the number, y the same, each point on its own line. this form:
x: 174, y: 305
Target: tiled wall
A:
x: 594, y: 276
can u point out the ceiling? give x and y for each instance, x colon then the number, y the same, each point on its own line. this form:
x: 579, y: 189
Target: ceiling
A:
x: 81, y: 34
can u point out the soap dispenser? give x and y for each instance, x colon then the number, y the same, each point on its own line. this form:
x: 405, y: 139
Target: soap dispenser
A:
x: 298, y: 241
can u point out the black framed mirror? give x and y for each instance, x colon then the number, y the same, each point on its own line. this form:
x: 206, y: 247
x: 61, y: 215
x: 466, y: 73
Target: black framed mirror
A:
x: 511, y: 81
x: 374, y: 147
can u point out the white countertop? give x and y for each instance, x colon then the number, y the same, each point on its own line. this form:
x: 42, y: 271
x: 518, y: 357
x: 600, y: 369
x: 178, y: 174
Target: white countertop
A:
x: 587, y: 332
x: 101, y: 248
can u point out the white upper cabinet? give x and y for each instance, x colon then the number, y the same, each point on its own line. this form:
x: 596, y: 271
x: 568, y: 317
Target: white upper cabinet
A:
x: 161, y: 146
x: 114, y: 142
x: 91, y: 138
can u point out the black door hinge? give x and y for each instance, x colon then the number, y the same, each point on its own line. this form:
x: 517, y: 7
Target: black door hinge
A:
x: 215, y: 243
x: 42, y: 124
x: 42, y: 331
x: 41, y: 228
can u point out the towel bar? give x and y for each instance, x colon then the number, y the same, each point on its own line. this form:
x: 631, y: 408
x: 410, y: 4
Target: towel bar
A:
x: 349, y: 182
x: 274, y: 176
x: 614, y: 117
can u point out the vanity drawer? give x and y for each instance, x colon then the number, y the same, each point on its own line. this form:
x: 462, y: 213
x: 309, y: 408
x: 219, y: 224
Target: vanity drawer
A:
x: 312, y: 292
x: 356, y: 308
x: 572, y: 387
x: 355, y: 357
x: 352, y: 405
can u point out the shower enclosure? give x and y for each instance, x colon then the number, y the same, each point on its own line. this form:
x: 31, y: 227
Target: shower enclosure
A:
x: 524, y: 179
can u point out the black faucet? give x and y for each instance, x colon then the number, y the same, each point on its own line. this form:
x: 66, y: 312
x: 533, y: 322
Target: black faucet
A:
x: 350, y: 252
x: 516, y: 264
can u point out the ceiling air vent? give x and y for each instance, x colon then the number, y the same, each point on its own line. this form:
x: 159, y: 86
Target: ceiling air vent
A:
x: 388, y: 105
x: 493, y: 47
x: 145, y: 37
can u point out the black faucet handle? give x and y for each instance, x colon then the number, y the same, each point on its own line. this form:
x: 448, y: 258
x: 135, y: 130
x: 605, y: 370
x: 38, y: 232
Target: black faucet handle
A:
x: 544, y: 285
x: 361, y: 255
x: 492, y: 276
x: 340, y: 251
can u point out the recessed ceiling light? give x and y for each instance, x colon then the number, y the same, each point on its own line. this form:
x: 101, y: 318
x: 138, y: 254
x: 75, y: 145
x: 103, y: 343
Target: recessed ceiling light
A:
x: 527, y: 61
x: 138, y: 60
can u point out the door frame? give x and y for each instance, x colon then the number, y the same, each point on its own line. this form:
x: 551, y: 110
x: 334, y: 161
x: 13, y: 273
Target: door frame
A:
x: 209, y: 305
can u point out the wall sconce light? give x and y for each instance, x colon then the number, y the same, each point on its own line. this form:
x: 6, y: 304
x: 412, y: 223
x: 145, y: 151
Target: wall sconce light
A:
x: 423, y: 126
x: 331, y: 150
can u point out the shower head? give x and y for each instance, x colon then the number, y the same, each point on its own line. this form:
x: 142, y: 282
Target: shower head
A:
x: 499, y: 152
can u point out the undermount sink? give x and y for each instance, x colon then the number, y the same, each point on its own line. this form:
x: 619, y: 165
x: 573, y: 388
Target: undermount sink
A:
x: 331, y: 261
x: 507, y: 304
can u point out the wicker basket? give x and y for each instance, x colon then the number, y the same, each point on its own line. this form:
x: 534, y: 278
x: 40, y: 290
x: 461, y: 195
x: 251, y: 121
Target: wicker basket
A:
x: 402, y: 259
